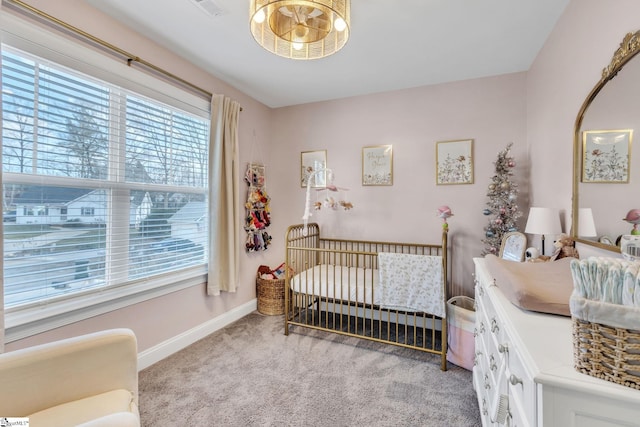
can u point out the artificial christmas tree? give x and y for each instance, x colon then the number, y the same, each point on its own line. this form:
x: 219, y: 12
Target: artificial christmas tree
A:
x: 502, y: 207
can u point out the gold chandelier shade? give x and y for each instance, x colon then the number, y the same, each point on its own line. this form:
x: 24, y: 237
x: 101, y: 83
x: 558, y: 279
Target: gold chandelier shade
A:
x: 300, y: 29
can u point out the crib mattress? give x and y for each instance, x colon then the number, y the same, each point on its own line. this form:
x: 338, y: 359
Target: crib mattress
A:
x: 350, y: 284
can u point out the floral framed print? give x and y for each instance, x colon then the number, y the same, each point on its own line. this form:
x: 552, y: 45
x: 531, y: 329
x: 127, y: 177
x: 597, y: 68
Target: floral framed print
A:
x: 606, y: 155
x: 377, y: 165
x: 454, y: 162
x: 313, y: 166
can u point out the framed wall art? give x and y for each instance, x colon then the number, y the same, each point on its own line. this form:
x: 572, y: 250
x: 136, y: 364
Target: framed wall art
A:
x: 606, y: 155
x: 454, y: 162
x: 377, y: 165
x: 310, y: 162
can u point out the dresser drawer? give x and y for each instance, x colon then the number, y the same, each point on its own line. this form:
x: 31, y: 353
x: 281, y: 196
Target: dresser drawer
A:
x: 500, y: 368
x: 517, y: 416
x: 484, y: 402
x: 490, y: 332
x: 490, y: 360
x: 522, y: 389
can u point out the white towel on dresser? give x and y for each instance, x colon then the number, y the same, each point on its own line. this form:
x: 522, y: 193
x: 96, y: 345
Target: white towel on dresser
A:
x: 410, y: 282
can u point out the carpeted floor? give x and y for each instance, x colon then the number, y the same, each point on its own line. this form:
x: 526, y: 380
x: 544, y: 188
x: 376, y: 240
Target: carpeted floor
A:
x: 251, y: 374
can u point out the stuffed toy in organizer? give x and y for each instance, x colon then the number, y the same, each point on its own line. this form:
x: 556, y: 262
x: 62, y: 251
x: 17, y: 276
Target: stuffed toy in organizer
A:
x: 257, y: 206
x: 253, y: 178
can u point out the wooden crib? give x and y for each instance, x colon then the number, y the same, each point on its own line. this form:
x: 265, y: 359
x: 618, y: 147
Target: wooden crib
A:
x: 334, y: 285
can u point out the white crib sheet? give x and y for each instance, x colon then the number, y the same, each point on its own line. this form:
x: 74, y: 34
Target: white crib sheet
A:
x: 337, y: 282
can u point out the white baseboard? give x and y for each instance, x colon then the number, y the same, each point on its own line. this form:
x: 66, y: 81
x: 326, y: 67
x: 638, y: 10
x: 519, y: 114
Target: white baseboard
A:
x: 158, y: 352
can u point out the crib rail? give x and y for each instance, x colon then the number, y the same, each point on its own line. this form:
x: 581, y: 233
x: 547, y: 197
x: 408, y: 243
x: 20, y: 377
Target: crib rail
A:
x: 348, y: 268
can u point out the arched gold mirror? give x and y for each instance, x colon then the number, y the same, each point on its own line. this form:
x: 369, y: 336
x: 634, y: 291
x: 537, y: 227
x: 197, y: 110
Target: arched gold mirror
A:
x: 606, y: 174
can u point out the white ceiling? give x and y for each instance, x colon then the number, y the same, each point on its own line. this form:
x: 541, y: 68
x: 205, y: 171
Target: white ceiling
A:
x: 394, y: 44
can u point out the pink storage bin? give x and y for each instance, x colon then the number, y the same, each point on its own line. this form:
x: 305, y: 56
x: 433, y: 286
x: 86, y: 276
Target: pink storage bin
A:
x: 461, y: 318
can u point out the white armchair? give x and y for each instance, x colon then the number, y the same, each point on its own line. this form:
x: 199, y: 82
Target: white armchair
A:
x: 90, y: 380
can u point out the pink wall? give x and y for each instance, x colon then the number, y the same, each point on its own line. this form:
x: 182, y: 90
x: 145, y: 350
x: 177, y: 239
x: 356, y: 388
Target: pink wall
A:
x: 567, y: 68
x: 489, y: 110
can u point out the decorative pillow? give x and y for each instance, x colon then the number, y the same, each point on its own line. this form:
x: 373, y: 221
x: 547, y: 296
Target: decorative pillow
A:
x: 543, y: 287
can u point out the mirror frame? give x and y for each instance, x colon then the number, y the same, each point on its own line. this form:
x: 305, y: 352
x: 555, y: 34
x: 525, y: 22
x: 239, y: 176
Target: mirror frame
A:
x: 629, y: 48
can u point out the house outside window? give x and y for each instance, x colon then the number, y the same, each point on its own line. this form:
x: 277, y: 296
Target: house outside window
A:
x: 93, y: 176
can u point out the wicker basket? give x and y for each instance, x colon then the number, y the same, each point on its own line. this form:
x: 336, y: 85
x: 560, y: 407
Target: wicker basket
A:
x: 606, y: 352
x: 270, y: 293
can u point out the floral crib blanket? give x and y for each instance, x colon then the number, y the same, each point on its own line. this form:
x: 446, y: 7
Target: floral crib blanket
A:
x: 411, y: 282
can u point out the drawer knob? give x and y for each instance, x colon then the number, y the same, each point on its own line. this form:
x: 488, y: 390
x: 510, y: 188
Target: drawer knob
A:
x: 477, y: 356
x: 494, y: 325
x: 503, y: 348
x: 481, y: 327
x: 492, y: 363
x: 514, y: 380
x: 485, y: 410
x: 480, y: 290
x: 487, y: 384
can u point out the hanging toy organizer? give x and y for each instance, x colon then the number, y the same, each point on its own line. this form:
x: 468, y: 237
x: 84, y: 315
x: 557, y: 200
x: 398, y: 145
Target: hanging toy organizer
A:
x: 257, y: 206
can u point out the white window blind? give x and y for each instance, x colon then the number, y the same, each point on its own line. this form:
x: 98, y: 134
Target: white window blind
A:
x: 102, y: 186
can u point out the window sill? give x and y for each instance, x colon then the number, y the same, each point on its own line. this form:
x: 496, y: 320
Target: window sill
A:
x: 24, y: 322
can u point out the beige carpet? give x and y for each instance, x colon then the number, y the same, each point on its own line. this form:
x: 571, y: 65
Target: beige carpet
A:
x: 251, y: 374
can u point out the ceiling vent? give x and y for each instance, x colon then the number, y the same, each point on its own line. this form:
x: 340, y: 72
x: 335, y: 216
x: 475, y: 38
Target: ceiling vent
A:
x: 210, y: 7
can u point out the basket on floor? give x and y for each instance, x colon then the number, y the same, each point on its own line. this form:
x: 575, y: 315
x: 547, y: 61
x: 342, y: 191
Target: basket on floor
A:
x: 606, y: 352
x: 270, y: 294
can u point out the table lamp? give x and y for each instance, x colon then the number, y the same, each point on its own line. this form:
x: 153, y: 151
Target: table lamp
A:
x: 543, y: 221
x: 586, y: 224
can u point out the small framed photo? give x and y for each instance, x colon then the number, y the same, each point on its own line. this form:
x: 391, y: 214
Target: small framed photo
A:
x: 606, y: 155
x: 513, y: 246
x: 377, y: 165
x: 454, y: 162
x: 313, y: 165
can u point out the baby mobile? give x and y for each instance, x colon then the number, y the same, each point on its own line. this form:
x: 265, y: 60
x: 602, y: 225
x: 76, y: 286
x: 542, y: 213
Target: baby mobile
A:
x: 258, y: 213
x: 502, y: 208
x: 329, y: 201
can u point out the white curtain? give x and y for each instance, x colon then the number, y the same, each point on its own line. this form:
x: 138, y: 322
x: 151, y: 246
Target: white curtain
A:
x: 224, y: 194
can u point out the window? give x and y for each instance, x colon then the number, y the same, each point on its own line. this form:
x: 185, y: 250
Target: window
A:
x: 103, y: 187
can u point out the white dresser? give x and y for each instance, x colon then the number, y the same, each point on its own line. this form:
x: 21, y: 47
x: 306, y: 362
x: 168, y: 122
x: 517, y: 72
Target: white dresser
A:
x: 528, y: 358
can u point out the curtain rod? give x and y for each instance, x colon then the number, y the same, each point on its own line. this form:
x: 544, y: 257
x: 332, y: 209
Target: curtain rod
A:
x: 131, y: 58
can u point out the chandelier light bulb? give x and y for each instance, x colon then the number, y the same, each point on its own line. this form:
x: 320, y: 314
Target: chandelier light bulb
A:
x: 339, y: 24
x: 301, y: 31
x: 259, y: 16
x: 297, y: 45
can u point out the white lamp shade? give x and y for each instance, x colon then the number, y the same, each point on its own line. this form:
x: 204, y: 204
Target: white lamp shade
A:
x: 543, y: 221
x: 586, y: 224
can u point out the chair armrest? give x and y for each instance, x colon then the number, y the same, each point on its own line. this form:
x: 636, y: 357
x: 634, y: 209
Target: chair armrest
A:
x: 47, y: 375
